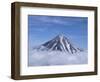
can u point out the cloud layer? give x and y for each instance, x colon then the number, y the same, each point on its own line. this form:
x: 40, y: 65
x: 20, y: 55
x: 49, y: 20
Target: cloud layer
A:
x: 45, y: 58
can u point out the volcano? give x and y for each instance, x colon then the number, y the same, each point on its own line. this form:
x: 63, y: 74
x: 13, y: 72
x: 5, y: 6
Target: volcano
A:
x: 59, y: 43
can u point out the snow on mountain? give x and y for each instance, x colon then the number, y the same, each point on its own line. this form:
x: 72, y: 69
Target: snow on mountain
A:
x: 59, y: 43
x: 58, y: 51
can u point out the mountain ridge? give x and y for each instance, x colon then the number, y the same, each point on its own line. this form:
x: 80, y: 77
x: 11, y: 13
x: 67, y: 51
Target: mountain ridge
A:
x: 59, y: 43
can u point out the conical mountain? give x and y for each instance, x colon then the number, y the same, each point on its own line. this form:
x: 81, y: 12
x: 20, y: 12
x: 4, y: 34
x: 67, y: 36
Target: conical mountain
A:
x: 60, y: 43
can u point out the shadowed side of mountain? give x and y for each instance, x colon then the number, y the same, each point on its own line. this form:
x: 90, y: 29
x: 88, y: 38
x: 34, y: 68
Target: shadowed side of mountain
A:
x: 59, y: 43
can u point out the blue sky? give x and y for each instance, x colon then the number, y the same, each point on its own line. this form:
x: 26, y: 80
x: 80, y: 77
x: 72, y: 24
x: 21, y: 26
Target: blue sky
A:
x: 44, y: 28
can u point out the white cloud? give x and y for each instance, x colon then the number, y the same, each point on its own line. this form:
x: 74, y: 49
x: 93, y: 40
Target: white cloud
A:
x: 53, y: 20
x: 45, y: 58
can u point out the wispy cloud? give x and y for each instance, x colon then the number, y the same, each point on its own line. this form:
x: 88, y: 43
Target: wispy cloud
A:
x: 57, y: 20
x: 43, y: 28
x: 52, y: 20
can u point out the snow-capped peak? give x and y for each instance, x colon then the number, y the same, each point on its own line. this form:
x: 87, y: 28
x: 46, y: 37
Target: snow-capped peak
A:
x: 60, y: 36
x: 60, y: 43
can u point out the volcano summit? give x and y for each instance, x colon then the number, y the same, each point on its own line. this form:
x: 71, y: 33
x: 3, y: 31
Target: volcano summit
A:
x: 59, y: 43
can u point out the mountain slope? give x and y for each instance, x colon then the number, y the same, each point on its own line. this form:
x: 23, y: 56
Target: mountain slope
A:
x: 59, y: 43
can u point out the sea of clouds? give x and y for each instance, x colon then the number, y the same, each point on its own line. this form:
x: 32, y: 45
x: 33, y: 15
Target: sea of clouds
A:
x: 49, y: 58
